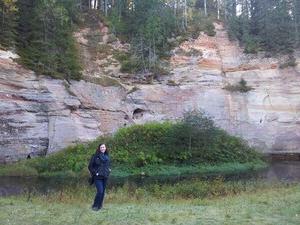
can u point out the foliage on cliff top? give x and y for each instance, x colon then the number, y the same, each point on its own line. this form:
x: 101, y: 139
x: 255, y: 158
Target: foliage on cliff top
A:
x: 42, y: 34
x: 272, y: 26
x: 41, y: 31
x: 151, y: 29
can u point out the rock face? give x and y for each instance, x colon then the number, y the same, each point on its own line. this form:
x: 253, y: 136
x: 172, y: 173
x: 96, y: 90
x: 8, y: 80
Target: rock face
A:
x: 267, y: 116
x: 39, y: 115
x: 98, y: 48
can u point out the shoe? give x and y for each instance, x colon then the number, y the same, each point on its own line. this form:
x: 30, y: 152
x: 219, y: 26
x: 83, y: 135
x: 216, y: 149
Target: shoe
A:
x: 95, y: 208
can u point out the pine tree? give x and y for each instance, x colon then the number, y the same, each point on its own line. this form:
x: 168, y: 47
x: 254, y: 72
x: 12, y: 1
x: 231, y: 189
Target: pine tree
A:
x: 270, y: 25
x: 8, y: 15
x: 45, y: 40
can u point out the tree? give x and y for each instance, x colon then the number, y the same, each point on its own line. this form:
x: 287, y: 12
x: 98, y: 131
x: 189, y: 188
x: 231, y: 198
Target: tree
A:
x: 270, y: 25
x: 296, y: 20
x: 8, y: 15
x: 45, y: 41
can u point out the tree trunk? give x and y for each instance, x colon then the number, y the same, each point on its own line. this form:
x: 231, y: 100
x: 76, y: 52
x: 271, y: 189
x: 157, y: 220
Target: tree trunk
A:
x: 175, y: 7
x: 218, y: 7
x: 225, y: 11
x: 44, y: 29
x: 297, y: 22
x: 105, y: 7
x: 233, y: 10
x: 190, y: 143
x: 185, y: 14
x: 205, y: 8
x: 3, y: 17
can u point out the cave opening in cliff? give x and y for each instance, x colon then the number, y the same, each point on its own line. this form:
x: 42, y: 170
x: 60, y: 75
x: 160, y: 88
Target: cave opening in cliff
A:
x: 138, y: 113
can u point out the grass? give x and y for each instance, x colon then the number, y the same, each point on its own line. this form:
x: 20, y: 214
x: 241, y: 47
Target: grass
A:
x: 186, y: 169
x: 104, y: 81
x: 122, y: 171
x: 272, y: 205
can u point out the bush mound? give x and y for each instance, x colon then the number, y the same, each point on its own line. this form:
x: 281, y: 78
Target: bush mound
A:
x: 194, y: 140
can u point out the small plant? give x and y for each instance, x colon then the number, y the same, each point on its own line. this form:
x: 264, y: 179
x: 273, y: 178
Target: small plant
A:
x: 252, y: 46
x: 103, y: 48
x: 172, y: 83
x: 68, y: 88
x: 104, y: 81
x: 241, y: 86
x: 159, y: 70
x: 121, y: 56
x: 290, y: 62
x: 135, y: 88
x: 131, y: 65
x: 193, y: 52
x: 210, y: 29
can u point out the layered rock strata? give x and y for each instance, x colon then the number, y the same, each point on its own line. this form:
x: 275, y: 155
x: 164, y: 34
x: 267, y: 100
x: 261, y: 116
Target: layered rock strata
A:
x: 40, y: 115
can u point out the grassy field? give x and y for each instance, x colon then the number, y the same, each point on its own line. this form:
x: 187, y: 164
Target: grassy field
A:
x: 279, y: 204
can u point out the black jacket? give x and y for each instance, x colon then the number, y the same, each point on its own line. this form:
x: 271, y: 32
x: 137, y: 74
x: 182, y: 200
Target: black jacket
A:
x: 99, y: 166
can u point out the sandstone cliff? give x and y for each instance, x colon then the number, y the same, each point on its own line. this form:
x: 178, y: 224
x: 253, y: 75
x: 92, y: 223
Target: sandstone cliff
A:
x: 40, y: 115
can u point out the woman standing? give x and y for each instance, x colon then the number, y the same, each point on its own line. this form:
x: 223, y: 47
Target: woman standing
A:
x: 99, y: 168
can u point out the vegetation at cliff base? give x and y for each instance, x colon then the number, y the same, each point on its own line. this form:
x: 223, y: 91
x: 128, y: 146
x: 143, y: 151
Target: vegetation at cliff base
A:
x: 191, y: 145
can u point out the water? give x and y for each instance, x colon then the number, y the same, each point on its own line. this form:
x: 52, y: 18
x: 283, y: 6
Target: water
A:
x: 278, y: 171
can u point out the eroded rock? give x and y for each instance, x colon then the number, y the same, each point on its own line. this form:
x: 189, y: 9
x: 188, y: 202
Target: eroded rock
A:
x: 39, y: 115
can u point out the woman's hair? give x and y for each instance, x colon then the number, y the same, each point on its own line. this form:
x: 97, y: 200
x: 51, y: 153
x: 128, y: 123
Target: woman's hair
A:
x: 98, y: 149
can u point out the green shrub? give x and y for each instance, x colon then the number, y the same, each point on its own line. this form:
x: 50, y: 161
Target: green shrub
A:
x: 17, y: 170
x: 200, y: 23
x: 195, y: 138
x: 241, y: 86
x: 74, y: 158
x: 290, y: 62
x: 172, y: 83
x: 210, y: 29
x: 252, y: 46
x: 121, y: 56
x: 130, y: 65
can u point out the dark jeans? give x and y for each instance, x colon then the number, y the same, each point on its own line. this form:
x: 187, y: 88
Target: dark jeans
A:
x: 100, y: 185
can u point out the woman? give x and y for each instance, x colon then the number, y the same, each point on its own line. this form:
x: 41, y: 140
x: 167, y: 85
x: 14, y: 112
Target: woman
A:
x: 99, y: 168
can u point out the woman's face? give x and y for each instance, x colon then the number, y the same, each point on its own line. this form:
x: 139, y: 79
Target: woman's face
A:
x: 102, y: 148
